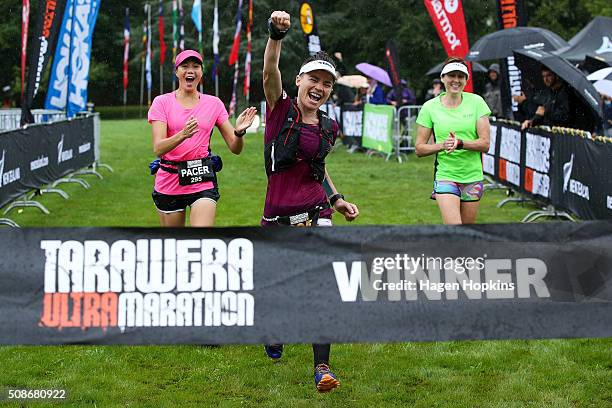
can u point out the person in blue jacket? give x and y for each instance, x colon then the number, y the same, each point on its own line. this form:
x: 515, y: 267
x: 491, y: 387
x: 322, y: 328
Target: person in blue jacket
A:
x: 376, y: 95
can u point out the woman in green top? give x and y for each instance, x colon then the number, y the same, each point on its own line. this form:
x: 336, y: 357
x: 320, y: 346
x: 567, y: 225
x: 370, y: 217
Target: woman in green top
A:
x: 459, y: 122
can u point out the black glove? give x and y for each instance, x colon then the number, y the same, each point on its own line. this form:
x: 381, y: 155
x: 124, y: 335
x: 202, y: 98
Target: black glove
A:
x: 275, y: 33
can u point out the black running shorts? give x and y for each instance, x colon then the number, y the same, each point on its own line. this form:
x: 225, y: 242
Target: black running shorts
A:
x: 174, y: 203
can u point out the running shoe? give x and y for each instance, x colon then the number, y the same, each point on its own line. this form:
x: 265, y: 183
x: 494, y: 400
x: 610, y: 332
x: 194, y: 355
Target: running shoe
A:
x: 325, y: 380
x: 274, y: 351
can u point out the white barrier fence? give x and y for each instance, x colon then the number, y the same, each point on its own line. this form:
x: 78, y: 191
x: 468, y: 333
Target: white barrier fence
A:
x: 10, y: 119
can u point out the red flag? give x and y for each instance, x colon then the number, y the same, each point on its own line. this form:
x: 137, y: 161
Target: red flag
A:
x: 25, y: 22
x: 247, y: 63
x: 234, y: 53
x: 162, y: 43
x: 126, y: 47
x: 448, y: 18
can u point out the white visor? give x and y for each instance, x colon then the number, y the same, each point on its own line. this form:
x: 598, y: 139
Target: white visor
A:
x: 318, y: 65
x: 455, y: 66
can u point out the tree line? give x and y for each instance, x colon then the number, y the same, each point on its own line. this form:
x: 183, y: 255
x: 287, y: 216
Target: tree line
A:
x: 359, y: 29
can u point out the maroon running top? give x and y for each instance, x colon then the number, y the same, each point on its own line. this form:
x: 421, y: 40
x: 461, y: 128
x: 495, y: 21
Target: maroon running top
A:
x: 294, y: 190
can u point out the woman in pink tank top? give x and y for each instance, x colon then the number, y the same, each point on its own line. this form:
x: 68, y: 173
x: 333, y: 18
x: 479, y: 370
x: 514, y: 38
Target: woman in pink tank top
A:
x: 183, y: 122
x: 298, y: 138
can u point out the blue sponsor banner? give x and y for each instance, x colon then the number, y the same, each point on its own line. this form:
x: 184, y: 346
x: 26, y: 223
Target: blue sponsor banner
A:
x: 72, y: 57
x: 58, y: 83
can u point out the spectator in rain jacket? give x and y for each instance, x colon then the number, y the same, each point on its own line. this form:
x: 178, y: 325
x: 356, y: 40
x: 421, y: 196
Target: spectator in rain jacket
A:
x: 492, y: 95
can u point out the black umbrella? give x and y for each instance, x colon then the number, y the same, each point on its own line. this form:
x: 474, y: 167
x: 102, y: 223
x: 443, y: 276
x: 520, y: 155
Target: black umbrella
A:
x: 501, y: 43
x: 436, y: 70
x: 595, y: 39
x: 594, y: 63
x: 530, y: 63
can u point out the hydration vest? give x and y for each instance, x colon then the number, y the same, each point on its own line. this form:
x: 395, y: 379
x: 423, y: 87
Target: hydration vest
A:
x: 281, y: 152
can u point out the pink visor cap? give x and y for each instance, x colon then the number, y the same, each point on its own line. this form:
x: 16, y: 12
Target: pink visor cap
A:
x: 187, y: 54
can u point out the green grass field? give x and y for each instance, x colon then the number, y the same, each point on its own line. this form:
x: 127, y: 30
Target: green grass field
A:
x: 542, y: 373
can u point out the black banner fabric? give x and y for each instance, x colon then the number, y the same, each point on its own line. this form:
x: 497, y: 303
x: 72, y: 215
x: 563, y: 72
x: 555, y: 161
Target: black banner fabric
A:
x: 301, y: 285
x: 510, y: 14
x: 510, y: 84
x: 40, y: 154
x: 48, y: 21
x: 566, y: 170
x: 584, y: 182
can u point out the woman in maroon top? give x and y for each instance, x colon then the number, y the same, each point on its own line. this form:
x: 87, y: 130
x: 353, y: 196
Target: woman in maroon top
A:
x: 298, y: 137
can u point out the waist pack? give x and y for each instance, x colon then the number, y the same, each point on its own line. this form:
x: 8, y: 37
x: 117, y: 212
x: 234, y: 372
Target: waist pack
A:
x: 190, y: 171
x: 304, y: 219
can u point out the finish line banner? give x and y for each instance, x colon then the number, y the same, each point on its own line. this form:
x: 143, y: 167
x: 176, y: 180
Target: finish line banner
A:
x: 305, y: 285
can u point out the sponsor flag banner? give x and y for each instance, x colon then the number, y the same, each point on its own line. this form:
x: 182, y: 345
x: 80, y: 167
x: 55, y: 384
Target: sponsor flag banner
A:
x: 447, y: 17
x: 215, y: 46
x: 81, y: 56
x: 510, y: 85
x: 234, y: 100
x: 252, y: 285
x: 161, y: 30
x: 247, y: 60
x: 148, y: 53
x: 393, y: 65
x: 70, y: 72
x: 233, y: 58
x: 175, y: 36
x: 162, y: 45
x: 25, y: 23
x: 196, y: 15
x: 181, y: 26
x: 510, y: 14
x: 44, y: 39
x: 174, y: 29
x: 126, y: 50
x: 39, y: 155
x: 309, y: 27
x: 377, y: 131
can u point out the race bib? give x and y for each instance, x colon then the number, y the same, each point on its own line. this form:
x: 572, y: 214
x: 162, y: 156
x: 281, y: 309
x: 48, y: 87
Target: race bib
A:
x: 195, y: 171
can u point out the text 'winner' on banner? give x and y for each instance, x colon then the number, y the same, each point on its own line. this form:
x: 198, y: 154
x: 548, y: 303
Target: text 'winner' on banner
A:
x: 252, y: 285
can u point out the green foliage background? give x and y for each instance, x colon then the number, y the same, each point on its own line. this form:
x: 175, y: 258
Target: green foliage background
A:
x: 357, y: 28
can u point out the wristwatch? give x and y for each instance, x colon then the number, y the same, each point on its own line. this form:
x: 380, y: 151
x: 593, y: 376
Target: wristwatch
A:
x: 239, y: 134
